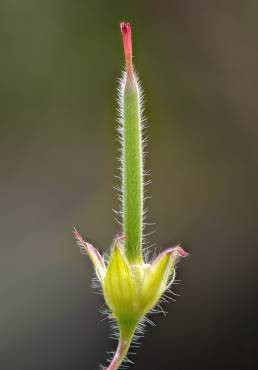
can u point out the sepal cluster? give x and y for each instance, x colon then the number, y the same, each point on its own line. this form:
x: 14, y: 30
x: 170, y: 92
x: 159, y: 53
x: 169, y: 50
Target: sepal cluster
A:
x: 131, y: 290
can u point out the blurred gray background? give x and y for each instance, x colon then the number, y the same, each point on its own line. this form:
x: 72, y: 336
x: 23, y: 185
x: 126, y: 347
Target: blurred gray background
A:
x: 60, y: 61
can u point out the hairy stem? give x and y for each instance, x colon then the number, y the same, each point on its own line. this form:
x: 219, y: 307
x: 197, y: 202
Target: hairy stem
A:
x: 125, y: 339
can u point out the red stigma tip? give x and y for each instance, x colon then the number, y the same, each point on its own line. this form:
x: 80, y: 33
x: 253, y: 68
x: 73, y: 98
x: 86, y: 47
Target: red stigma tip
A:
x: 127, y: 41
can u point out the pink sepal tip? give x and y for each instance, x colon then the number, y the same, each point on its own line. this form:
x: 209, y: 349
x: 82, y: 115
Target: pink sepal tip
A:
x: 176, y: 251
x: 92, y: 252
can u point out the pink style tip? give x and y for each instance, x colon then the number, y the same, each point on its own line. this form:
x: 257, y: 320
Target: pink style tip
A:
x: 126, y: 32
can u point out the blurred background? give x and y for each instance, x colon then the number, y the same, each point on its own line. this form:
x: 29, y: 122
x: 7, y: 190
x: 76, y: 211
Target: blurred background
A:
x: 60, y: 61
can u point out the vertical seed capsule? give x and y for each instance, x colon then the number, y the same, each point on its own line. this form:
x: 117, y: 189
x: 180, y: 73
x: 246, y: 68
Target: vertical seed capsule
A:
x: 132, y: 156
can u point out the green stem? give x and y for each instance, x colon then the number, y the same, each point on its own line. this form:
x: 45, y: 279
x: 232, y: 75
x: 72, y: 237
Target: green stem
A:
x: 125, y: 339
x: 132, y: 171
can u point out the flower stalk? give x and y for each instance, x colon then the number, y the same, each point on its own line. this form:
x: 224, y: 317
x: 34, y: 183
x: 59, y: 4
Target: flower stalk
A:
x: 132, y: 285
x: 125, y: 339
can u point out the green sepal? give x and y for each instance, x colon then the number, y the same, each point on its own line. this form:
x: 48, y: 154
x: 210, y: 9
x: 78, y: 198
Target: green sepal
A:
x: 156, y: 279
x: 119, y: 286
x: 94, y: 255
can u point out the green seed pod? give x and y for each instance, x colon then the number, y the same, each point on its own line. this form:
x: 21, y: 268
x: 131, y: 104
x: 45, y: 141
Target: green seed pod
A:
x: 132, y: 286
x: 130, y: 128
